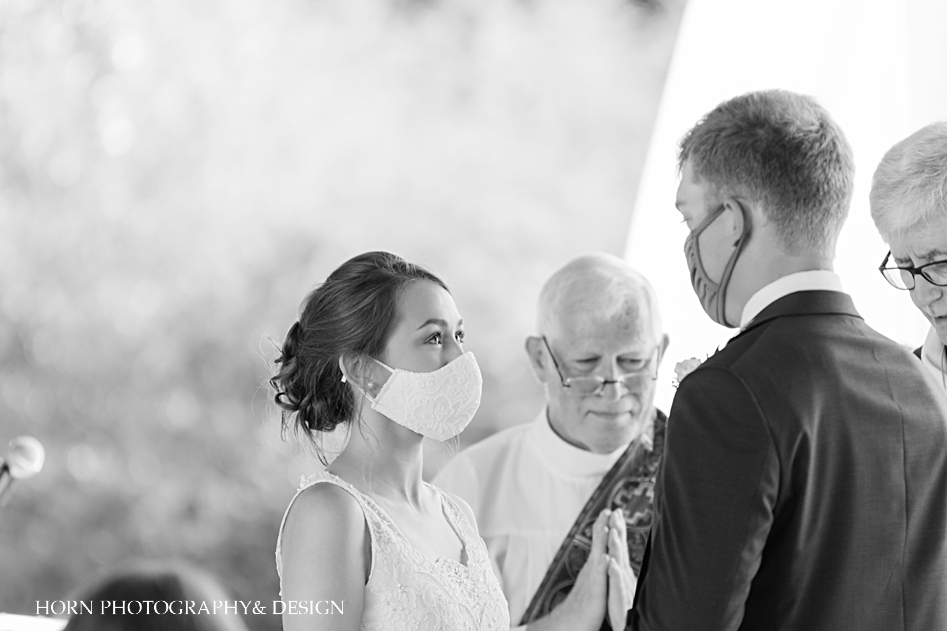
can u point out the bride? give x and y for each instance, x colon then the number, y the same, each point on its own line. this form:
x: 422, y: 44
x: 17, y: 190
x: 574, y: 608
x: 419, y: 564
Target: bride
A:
x: 379, y: 347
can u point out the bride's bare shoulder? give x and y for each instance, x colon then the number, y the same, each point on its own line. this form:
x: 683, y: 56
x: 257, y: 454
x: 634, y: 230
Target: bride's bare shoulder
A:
x: 325, y: 553
x: 323, y: 506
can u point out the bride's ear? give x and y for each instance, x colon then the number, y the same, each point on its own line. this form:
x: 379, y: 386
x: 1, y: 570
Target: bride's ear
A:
x: 358, y: 371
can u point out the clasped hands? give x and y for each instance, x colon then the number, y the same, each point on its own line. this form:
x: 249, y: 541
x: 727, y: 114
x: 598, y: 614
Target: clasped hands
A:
x: 605, y: 584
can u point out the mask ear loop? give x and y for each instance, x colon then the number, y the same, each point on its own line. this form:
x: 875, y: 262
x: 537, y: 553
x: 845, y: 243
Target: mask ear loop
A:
x: 731, y: 263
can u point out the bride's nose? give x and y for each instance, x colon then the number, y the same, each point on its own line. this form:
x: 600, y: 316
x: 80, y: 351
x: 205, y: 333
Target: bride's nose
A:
x: 452, y: 350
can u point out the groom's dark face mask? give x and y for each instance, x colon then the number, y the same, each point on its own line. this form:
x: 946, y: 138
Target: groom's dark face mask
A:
x: 712, y: 295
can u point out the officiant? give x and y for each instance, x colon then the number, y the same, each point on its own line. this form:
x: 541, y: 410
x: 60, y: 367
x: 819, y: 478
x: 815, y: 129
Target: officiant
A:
x: 909, y: 207
x: 537, y: 488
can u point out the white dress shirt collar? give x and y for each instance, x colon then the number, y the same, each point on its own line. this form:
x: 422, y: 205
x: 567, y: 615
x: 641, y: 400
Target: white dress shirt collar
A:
x: 568, y: 460
x: 819, y: 279
x: 932, y: 354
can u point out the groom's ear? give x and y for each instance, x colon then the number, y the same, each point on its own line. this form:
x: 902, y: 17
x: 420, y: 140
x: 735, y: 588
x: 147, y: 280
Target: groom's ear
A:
x: 535, y: 349
x: 736, y: 215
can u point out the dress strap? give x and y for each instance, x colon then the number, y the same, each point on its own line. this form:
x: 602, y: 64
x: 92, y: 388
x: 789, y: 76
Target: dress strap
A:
x: 304, y: 483
x: 458, y: 519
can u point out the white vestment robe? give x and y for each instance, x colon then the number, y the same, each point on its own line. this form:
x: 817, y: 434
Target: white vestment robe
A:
x: 526, y: 487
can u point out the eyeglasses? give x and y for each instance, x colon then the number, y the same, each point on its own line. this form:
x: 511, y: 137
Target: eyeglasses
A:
x: 594, y: 385
x: 903, y: 277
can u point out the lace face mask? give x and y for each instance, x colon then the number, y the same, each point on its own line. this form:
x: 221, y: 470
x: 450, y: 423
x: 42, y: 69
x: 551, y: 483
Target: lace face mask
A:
x: 437, y: 404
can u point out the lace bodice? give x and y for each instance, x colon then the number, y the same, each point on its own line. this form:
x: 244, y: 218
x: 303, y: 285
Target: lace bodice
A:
x: 406, y: 591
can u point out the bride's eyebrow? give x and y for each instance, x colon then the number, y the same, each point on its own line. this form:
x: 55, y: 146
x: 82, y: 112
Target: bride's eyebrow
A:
x: 440, y: 322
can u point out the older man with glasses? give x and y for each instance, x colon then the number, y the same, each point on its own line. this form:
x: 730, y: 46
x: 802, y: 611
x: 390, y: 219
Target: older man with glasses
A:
x: 909, y: 207
x: 564, y: 503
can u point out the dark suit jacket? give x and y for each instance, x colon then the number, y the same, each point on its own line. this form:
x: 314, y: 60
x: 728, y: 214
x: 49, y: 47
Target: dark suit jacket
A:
x: 804, y: 484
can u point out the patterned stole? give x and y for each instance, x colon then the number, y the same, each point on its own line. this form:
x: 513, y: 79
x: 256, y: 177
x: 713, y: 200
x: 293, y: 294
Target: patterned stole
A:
x: 628, y: 485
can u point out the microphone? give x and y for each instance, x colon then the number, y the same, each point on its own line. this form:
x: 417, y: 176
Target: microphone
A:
x: 25, y: 459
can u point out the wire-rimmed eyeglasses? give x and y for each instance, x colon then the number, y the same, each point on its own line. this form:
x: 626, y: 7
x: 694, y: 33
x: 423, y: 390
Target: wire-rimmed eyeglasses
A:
x: 594, y: 385
x: 903, y: 277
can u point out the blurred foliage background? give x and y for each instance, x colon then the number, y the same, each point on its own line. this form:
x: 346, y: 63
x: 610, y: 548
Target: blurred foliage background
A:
x: 175, y: 175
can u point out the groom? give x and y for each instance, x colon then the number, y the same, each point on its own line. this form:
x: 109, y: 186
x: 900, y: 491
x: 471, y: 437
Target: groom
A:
x: 804, y: 481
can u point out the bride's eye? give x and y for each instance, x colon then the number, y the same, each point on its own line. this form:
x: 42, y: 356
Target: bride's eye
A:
x: 436, y: 338
x: 459, y: 336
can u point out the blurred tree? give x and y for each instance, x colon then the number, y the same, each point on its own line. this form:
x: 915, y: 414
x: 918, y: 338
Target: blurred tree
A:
x: 176, y: 174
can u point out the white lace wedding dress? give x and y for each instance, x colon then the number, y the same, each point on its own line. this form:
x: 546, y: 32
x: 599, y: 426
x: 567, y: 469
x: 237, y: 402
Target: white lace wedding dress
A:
x: 408, y: 592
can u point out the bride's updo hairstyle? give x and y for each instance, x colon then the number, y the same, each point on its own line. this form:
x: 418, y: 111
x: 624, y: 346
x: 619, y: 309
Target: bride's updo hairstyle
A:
x: 351, y: 313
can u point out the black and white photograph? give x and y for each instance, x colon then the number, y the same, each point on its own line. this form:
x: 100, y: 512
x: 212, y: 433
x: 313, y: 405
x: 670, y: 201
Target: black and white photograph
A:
x: 473, y: 315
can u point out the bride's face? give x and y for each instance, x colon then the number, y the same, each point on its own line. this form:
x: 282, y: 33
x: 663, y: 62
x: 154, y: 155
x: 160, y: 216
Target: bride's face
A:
x: 428, y: 333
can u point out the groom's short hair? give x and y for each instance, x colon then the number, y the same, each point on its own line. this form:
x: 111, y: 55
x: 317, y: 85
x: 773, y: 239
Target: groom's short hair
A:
x: 784, y: 151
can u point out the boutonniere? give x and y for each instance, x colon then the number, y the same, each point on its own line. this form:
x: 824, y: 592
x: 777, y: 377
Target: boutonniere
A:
x: 684, y: 368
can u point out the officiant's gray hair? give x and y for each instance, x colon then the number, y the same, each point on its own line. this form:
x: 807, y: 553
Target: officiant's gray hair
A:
x: 599, y: 283
x: 909, y: 187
